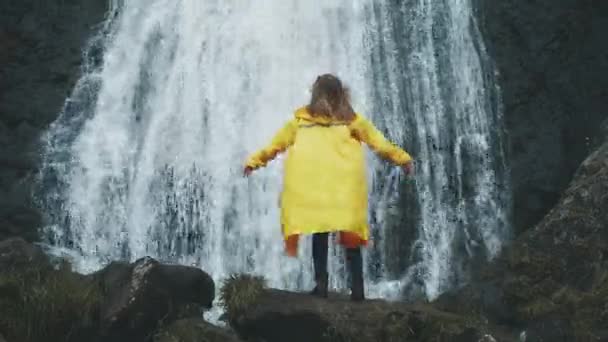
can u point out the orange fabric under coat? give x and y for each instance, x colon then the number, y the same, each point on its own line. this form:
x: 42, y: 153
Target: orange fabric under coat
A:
x: 346, y: 239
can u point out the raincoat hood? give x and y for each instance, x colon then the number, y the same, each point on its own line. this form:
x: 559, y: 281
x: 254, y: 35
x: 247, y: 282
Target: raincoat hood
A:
x: 304, y: 114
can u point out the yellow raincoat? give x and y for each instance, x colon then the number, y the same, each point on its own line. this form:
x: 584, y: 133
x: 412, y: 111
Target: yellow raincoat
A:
x: 325, y: 183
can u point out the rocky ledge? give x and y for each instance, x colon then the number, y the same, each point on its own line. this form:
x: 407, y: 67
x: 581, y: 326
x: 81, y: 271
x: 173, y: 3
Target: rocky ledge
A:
x: 44, y: 300
x: 41, y: 300
x: 258, y: 313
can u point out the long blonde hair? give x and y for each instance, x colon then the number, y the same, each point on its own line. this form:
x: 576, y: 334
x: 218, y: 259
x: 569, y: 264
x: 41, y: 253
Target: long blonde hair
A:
x: 330, y: 98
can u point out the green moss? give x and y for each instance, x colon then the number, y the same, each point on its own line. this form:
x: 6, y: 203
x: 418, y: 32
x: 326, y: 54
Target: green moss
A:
x: 39, y: 303
x: 537, y: 308
x: 586, y: 311
x: 181, y: 331
x: 239, y: 292
x: 447, y: 327
x: 423, y: 324
x: 342, y: 328
x: 193, y: 330
x: 591, y: 312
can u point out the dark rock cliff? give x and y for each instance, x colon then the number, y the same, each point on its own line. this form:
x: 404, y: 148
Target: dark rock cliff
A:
x: 40, y: 53
x: 552, y: 282
x: 553, y: 65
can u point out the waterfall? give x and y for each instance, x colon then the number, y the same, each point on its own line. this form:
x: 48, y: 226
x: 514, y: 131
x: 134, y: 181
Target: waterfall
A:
x: 146, y: 156
x: 435, y: 91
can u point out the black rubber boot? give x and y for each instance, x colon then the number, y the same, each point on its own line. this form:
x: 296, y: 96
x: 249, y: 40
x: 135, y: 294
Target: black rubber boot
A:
x: 355, y: 265
x: 319, y: 257
x: 321, y: 287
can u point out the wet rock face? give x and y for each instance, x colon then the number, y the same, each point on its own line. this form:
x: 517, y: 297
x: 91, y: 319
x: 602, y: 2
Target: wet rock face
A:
x: 553, y: 61
x: 40, y: 54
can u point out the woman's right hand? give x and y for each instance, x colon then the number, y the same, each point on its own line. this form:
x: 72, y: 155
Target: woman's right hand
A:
x: 247, y: 171
x: 408, y: 168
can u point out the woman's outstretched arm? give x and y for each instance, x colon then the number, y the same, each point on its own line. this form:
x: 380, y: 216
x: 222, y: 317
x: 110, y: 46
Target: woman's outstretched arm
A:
x: 281, y: 141
x: 365, y: 131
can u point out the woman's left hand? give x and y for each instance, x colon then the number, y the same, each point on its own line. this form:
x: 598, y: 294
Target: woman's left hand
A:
x: 247, y: 171
x: 409, y: 168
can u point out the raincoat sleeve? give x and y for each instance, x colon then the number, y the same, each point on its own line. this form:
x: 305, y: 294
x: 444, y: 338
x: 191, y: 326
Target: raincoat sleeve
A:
x: 366, y: 132
x: 281, y: 141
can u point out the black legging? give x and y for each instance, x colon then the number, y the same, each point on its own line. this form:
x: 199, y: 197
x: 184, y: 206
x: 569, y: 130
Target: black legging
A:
x: 319, y: 252
x: 319, y: 256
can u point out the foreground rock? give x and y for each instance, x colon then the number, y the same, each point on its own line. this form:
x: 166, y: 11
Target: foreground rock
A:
x: 137, y: 297
x: 194, y: 330
x: 262, y: 314
x: 122, y: 302
x: 552, y: 282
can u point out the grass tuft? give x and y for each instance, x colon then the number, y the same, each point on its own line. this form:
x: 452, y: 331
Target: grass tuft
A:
x: 239, y: 292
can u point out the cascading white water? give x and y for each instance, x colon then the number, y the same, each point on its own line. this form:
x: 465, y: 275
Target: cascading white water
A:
x: 188, y: 89
x: 434, y: 69
x: 146, y: 157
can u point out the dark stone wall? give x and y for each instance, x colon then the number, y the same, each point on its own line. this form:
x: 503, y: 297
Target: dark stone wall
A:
x: 552, y: 58
x: 41, y: 45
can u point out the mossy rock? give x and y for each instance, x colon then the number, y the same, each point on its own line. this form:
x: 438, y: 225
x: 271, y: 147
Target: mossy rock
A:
x: 44, y: 301
x: 194, y: 330
x: 39, y: 304
x: 260, y: 313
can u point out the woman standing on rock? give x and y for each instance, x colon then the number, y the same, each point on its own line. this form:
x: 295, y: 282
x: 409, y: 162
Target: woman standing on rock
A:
x: 325, y: 183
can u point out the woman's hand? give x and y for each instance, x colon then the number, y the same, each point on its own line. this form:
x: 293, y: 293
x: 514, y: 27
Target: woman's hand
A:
x: 247, y: 171
x: 408, y: 168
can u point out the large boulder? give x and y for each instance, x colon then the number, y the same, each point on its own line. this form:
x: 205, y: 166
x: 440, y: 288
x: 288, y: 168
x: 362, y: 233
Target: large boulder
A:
x: 261, y: 314
x: 194, y: 330
x: 139, y: 297
x: 552, y: 282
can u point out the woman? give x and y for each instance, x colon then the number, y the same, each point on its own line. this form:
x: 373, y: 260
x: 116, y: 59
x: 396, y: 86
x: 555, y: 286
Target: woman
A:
x: 325, y: 184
